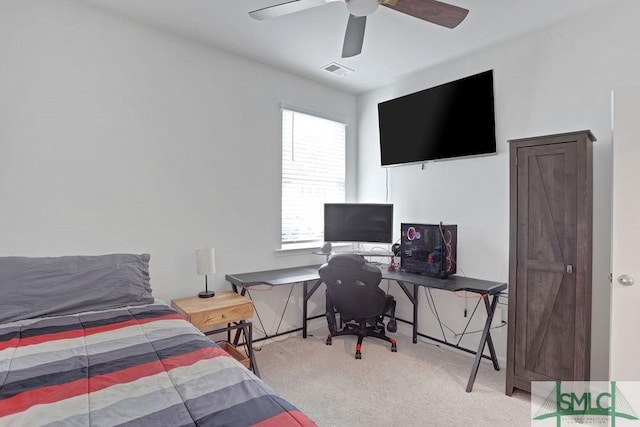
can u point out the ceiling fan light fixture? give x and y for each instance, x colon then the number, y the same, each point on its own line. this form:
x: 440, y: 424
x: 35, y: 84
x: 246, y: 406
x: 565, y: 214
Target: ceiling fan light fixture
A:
x: 362, y: 7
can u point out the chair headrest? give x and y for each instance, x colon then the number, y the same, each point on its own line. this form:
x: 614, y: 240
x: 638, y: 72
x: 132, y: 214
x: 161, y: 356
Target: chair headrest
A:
x: 350, y: 267
x: 346, y: 260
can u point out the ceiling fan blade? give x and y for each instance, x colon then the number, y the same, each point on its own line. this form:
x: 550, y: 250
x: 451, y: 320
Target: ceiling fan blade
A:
x: 354, y: 37
x: 436, y: 12
x: 285, y: 9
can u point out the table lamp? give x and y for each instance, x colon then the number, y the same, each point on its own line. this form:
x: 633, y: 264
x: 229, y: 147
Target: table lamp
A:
x: 205, y: 264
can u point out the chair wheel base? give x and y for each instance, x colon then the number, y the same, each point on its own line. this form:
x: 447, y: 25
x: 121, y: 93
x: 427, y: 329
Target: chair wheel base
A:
x: 358, y: 355
x: 394, y: 349
x: 328, y: 342
x: 392, y: 326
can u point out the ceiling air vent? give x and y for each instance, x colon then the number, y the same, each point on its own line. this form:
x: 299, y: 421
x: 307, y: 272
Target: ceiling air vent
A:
x: 337, y: 69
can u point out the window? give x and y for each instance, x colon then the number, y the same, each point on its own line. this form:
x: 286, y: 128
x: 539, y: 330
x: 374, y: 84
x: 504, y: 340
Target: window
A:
x: 313, y: 173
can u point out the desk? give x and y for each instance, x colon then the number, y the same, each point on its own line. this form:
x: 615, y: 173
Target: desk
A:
x: 489, y: 290
x: 309, y: 274
x: 283, y: 276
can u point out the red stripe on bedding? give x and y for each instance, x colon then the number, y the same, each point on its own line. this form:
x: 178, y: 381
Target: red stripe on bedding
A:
x: 13, y: 342
x: 285, y: 419
x: 75, y: 333
x: 50, y: 394
x: 188, y: 359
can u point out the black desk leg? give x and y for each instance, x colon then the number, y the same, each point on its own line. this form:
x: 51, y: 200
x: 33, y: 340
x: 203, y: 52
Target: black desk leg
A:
x: 248, y: 334
x: 304, y: 309
x: 414, y: 300
x: 415, y: 314
x: 486, y: 337
x: 492, y: 350
x: 306, y: 294
x: 236, y: 338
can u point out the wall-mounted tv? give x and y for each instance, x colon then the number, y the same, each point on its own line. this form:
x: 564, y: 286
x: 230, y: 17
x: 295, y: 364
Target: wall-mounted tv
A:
x: 455, y: 119
x: 358, y: 222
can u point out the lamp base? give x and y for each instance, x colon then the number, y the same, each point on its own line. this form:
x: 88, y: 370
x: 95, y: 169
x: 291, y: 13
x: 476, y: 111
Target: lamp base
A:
x: 206, y: 294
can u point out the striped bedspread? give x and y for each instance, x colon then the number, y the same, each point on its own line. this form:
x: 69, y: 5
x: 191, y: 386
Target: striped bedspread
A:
x: 138, y: 366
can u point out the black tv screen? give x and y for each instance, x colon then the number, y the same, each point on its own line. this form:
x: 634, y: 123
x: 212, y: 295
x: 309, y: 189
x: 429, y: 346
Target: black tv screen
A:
x: 455, y: 119
x: 358, y: 222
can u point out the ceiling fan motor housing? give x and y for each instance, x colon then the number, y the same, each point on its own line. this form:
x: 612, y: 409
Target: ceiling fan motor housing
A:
x: 362, y: 7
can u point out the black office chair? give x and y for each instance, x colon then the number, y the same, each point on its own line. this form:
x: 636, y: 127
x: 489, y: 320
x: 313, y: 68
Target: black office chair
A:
x: 352, y: 291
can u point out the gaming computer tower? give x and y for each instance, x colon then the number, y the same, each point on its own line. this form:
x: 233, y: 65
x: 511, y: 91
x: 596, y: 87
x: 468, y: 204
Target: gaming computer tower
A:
x: 428, y: 249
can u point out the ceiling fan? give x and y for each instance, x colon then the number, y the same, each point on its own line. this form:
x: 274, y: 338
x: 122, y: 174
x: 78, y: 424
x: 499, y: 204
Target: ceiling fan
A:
x: 444, y: 14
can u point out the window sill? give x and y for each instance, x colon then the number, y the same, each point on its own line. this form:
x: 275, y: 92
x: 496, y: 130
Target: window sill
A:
x: 303, y: 248
x: 294, y: 248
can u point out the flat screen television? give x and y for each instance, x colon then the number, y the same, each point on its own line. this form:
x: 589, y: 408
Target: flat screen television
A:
x: 455, y: 119
x: 358, y: 222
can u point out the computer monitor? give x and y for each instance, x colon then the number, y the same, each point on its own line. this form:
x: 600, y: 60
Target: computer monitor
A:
x: 358, y: 222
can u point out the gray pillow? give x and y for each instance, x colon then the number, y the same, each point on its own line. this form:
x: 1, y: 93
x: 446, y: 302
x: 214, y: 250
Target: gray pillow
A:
x: 36, y: 287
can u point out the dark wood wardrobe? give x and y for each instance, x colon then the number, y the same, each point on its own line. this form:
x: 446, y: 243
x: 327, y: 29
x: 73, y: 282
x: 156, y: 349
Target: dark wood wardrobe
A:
x: 549, y: 332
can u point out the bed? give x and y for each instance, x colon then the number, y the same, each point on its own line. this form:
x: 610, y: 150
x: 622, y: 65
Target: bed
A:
x: 83, y: 343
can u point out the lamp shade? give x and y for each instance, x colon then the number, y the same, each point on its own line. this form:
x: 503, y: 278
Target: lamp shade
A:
x: 362, y: 7
x: 205, y: 261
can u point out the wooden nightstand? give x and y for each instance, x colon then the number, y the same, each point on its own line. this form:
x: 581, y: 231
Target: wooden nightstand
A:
x: 226, y: 307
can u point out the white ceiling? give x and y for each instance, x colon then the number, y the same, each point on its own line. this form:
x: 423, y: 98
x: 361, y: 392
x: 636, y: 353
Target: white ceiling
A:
x: 303, y: 43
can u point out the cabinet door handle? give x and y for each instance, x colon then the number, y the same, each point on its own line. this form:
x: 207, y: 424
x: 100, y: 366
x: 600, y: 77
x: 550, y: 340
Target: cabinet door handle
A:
x: 569, y: 269
x: 625, y: 279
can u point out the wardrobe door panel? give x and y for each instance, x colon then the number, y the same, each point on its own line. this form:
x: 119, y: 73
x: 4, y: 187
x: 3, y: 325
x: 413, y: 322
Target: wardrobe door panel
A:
x: 546, y: 303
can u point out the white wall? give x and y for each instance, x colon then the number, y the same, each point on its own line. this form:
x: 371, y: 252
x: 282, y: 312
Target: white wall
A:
x: 115, y: 137
x: 555, y: 80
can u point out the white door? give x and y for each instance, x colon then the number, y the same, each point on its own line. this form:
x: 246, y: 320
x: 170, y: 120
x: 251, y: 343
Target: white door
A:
x: 625, y: 296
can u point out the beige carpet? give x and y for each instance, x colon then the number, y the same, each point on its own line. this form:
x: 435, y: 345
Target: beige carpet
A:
x: 420, y: 385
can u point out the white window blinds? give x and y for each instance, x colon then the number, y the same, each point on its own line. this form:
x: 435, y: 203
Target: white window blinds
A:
x: 313, y: 173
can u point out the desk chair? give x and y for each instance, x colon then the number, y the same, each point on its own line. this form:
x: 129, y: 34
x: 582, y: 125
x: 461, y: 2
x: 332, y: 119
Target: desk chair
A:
x: 352, y: 290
